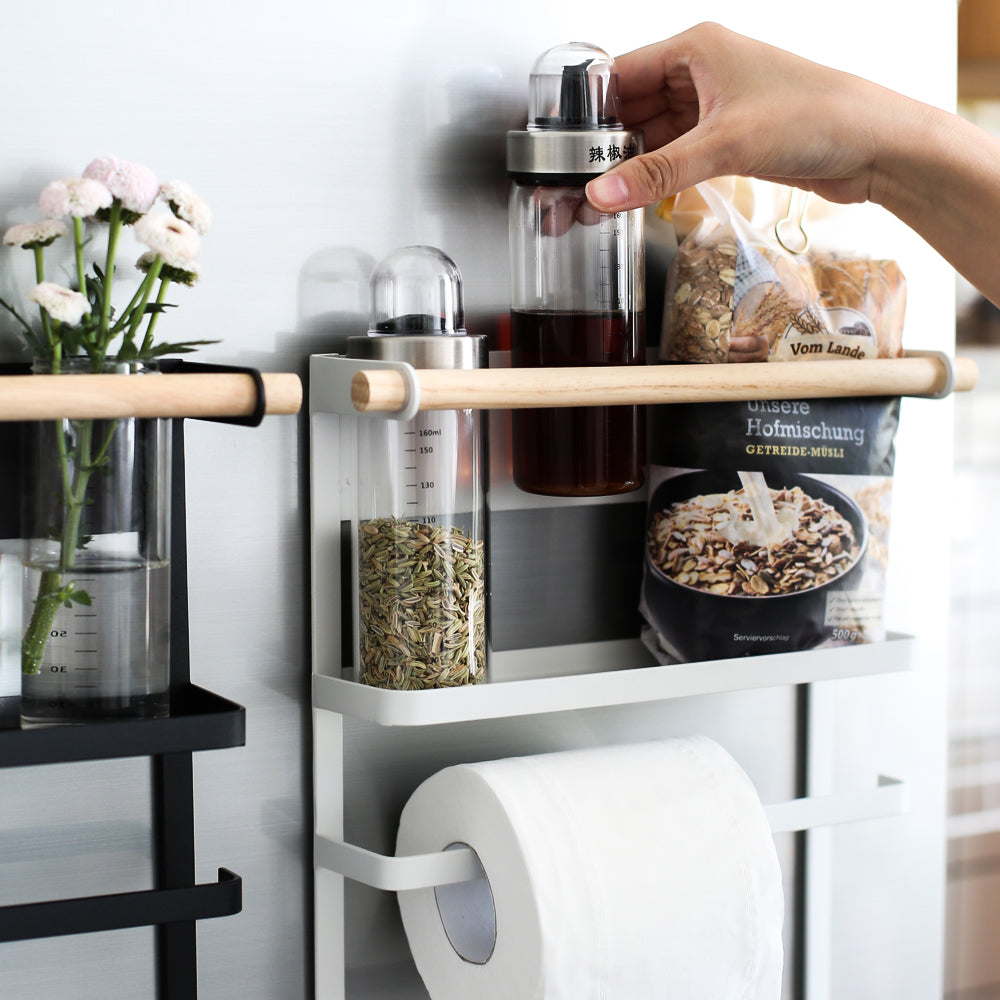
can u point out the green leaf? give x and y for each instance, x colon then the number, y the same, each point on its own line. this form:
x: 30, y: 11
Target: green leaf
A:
x: 73, y: 338
x: 81, y: 597
x: 183, y: 347
x: 39, y: 349
x: 6, y: 305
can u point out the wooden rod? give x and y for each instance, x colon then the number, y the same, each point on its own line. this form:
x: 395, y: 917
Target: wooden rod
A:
x: 384, y: 390
x: 182, y: 394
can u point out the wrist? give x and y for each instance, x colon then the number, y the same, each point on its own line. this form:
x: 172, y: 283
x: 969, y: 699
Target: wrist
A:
x: 940, y: 175
x: 908, y: 145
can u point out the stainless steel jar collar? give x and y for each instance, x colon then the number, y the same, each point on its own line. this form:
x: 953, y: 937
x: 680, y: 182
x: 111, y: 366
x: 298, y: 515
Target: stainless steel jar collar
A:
x: 422, y: 351
x: 547, y: 152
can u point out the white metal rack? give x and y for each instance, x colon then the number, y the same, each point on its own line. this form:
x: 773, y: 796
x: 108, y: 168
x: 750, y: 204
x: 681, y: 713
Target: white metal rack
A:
x: 418, y: 871
x: 372, y: 746
x: 630, y: 676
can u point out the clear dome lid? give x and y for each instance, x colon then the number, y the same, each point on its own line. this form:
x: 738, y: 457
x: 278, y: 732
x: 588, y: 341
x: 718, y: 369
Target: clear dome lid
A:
x: 416, y: 290
x: 574, y: 87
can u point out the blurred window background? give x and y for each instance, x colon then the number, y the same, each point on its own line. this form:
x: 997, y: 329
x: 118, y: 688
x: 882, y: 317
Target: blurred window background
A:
x: 972, y: 963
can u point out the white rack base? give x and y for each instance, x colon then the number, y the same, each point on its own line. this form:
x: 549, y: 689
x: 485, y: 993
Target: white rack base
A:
x: 635, y: 680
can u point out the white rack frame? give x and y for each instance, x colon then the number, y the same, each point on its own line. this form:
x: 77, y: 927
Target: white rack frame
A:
x: 524, y: 683
x: 593, y: 675
x: 421, y: 871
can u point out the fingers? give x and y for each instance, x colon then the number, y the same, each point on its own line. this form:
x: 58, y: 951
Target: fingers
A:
x: 748, y: 349
x: 658, y: 93
x: 558, y: 216
x: 644, y: 71
x: 559, y: 209
x: 667, y: 87
x: 643, y: 181
x: 663, y: 118
x: 647, y: 179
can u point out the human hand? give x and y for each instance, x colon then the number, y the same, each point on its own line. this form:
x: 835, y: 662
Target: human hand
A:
x: 748, y: 349
x: 558, y: 209
x: 714, y: 103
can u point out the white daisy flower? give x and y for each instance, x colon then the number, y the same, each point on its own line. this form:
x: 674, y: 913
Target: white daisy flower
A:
x: 60, y: 303
x: 172, y: 238
x: 134, y: 185
x: 186, y: 205
x: 179, y: 275
x: 77, y: 196
x: 35, y: 234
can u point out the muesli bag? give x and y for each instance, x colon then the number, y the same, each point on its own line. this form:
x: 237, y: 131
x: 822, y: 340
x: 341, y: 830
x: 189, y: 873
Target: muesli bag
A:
x: 768, y: 520
x: 735, y: 293
x: 767, y: 525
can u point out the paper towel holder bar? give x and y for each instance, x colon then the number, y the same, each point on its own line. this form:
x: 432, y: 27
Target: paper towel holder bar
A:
x: 420, y: 871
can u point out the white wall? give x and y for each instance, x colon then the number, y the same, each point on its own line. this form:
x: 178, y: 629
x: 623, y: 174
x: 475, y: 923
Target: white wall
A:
x: 310, y: 126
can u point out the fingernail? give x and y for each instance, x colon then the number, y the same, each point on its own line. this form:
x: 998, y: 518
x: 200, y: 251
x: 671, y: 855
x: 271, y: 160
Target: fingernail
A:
x: 607, y: 191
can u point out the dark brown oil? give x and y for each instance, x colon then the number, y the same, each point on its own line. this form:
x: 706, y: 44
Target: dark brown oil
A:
x: 581, y: 450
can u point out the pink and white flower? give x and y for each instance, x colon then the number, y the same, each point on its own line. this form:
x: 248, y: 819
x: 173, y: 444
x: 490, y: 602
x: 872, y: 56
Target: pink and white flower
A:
x: 76, y: 196
x: 134, y: 185
x: 171, y: 238
x: 62, y: 304
x: 179, y: 275
x: 35, y: 234
x: 186, y: 205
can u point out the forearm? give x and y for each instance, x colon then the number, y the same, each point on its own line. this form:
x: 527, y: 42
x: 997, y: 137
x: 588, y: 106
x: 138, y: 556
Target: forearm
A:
x: 713, y: 103
x: 941, y: 176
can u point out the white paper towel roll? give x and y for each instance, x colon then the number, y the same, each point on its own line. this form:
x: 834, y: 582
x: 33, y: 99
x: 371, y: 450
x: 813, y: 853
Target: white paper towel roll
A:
x: 640, y: 872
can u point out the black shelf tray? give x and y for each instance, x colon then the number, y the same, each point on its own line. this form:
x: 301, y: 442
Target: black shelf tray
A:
x: 199, y: 720
x: 119, y: 910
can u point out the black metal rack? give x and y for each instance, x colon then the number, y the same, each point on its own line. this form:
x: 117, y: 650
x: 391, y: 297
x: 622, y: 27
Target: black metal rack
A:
x: 198, y: 720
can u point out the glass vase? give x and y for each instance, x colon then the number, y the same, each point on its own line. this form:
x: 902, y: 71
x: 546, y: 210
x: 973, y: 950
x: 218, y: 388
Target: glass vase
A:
x: 95, y: 642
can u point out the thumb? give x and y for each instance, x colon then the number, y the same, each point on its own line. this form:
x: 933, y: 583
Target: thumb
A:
x: 646, y: 179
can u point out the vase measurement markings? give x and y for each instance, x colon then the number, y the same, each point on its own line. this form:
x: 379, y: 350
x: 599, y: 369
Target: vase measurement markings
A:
x: 84, y: 673
x: 93, y: 650
x: 78, y: 632
x: 421, y: 444
x: 83, y: 648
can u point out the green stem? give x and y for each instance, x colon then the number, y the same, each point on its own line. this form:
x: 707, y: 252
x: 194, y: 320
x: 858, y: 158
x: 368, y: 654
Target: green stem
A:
x: 60, y: 435
x: 147, y: 288
x: 126, y: 315
x: 147, y: 341
x: 114, y: 231
x: 82, y: 469
x: 102, y: 453
x: 36, y: 635
x: 39, y: 278
x: 78, y: 251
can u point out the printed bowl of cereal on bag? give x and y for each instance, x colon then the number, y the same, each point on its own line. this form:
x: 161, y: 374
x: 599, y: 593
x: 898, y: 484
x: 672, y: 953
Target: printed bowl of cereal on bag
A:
x: 736, y: 566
